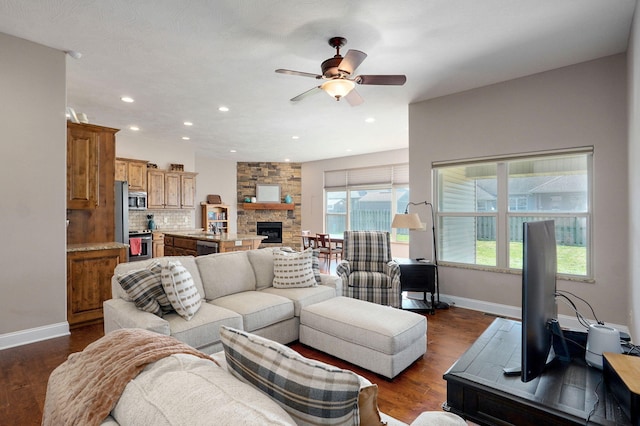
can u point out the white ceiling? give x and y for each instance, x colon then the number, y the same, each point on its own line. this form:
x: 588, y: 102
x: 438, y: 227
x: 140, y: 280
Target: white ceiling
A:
x: 181, y: 60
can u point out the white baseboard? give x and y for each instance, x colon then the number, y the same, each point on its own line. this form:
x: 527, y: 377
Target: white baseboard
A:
x: 567, y: 321
x: 32, y: 335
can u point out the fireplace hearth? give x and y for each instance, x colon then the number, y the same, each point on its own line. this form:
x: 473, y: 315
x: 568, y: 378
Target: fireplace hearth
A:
x: 271, y: 230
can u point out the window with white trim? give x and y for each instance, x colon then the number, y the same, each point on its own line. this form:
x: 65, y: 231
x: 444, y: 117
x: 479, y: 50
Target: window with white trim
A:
x: 366, y: 199
x: 482, y: 204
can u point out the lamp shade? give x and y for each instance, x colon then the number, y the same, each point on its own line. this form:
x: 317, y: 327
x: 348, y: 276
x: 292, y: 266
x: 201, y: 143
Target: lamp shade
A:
x: 407, y: 220
x: 338, y: 87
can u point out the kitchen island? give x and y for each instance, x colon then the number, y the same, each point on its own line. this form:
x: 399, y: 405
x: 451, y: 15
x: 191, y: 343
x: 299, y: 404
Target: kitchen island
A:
x: 197, y: 243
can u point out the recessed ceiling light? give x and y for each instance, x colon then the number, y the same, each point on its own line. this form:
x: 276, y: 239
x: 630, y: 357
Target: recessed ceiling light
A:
x: 370, y: 120
x: 223, y: 109
x: 126, y: 99
x: 186, y: 138
x: 349, y: 150
x: 286, y: 160
x: 295, y: 137
x: 188, y: 123
x: 233, y: 150
x: 134, y: 128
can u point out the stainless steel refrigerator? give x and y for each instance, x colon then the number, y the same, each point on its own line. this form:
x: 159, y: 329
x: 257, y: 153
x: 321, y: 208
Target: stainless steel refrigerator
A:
x: 122, y: 213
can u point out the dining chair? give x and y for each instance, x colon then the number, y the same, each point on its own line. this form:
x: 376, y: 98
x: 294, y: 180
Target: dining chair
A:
x: 308, y: 241
x: 327, y: 248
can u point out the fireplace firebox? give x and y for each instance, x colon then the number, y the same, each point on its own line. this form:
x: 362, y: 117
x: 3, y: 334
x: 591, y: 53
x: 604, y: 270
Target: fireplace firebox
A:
x: 271, y: 230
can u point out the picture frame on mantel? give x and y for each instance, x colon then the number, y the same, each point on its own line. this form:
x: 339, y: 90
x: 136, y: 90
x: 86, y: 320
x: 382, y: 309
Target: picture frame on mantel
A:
x: 267, y: 193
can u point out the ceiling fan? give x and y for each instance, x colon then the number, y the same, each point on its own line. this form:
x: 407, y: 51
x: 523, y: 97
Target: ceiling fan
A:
x: 337, y: 72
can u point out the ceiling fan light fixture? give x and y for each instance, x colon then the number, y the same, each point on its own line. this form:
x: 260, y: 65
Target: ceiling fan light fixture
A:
x: 337, y: 88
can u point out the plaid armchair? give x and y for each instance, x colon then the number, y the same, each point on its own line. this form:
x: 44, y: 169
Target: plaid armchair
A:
x: 367, y: 270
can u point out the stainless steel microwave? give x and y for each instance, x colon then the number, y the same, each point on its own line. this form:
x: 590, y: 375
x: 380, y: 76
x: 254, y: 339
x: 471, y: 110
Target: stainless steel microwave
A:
x: 137, y: 201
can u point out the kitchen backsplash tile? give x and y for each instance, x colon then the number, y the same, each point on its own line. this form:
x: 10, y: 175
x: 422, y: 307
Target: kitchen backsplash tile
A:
x: 175, y: 219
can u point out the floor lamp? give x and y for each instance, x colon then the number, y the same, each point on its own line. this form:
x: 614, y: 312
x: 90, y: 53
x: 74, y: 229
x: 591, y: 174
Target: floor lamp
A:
x: 412, y: 221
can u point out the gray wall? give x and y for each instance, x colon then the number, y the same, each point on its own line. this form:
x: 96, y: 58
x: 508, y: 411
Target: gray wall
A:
x: 634, y: 177
x: 568, y: 107
x: 32, y: 190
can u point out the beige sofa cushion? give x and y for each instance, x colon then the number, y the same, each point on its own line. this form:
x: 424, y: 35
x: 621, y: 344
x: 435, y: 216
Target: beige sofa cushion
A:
x: 203, y: 329
x: 262, y: 262
x: 258, y: 309
x: 183, y: 389
x: 226, y: 273
x: 302, y: 297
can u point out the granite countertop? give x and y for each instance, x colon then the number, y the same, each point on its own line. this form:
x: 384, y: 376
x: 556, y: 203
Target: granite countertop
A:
x: 95, y: 246
x: 209, y: 236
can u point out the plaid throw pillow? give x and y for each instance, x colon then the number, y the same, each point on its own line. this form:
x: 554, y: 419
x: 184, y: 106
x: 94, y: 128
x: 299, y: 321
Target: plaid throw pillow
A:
x: 313, y: 393
x: 144, y: 287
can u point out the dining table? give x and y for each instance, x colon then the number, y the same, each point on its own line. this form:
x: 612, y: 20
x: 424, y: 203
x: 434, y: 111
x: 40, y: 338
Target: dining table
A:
x: 336, y: 239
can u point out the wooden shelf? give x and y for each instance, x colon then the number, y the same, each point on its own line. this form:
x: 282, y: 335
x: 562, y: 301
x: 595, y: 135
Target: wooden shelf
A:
x: 268, y: 206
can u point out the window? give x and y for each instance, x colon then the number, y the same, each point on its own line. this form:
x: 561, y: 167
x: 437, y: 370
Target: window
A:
x: 481, y: 207
x: 366, y: 199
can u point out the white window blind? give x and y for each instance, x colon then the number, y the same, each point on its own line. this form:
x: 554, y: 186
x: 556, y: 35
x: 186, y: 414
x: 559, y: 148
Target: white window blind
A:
x: 396, y: 174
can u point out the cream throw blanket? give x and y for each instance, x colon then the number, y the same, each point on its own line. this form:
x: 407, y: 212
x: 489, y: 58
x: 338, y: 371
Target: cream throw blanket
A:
x: 84, y: 389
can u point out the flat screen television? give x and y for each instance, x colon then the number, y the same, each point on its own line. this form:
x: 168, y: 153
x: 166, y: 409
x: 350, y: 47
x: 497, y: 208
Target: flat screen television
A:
x: 539, y: 310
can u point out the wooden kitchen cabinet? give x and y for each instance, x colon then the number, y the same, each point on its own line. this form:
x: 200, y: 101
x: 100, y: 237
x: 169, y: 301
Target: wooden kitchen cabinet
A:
x: 178, y: 246
x: 89, y: 282
x: 158, y: 244
x: 132, y: 171
x: 188, y: 190
x: 170, y: 190
x: 83, y: 163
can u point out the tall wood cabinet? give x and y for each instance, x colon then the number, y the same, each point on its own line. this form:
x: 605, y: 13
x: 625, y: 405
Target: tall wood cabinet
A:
x: 89, y: 282
x: 90, y: 183
x: 132, y: 171
x: 84, y: 161
x: 170, y: 189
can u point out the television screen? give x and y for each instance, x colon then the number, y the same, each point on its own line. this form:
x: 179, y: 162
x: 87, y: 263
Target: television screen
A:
x: 539, y: 310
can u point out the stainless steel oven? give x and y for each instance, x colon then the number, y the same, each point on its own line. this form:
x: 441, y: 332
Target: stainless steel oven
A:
x: 140, y: 246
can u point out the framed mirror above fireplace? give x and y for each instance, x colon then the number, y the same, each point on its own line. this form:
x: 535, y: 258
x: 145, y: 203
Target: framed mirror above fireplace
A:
x: 267, y: 193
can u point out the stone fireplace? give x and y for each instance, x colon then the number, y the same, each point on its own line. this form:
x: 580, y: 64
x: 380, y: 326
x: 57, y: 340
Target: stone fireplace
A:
x: 289, y: 177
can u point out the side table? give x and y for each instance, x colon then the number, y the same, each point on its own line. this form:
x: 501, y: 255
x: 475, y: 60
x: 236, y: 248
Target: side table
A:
x: 418, y: 275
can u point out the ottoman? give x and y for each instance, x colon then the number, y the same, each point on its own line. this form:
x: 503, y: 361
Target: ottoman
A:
x: 379, y: 338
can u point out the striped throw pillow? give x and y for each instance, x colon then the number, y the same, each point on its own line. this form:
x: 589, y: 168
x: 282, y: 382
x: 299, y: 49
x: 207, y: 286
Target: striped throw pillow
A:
x: 144, y: 287
x: 311, y: 392
x: 180, y: 289
x: 293, y: 269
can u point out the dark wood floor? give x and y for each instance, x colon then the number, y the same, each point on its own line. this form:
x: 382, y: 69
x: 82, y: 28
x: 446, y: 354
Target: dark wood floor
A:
x: 24, y: 370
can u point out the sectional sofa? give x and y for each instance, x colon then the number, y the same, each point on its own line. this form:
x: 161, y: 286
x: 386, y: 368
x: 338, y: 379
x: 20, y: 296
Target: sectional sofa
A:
x: 236, y: 290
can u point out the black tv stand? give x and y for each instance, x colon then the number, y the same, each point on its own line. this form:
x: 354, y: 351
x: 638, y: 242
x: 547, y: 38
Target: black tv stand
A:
x: 565, y: 394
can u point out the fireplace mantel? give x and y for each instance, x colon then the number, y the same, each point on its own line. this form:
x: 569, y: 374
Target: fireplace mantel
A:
x: 268, y: 206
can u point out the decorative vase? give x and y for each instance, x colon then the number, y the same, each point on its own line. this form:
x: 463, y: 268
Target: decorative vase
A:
x: 288, y: 199
x: 151, y: 225
x: 254, y: 200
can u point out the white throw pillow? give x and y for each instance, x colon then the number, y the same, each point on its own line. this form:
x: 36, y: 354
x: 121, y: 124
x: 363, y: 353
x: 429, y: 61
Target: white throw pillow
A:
x: 293, y: 270
x: 180, y: 289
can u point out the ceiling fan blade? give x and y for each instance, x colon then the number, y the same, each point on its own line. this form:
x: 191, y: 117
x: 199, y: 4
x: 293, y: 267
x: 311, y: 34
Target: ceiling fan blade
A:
x: 309, y: 92
x: 354, y: 98
x: 300, y: 73
x: 381, y: 80
x: 352, y: 60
